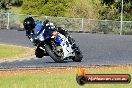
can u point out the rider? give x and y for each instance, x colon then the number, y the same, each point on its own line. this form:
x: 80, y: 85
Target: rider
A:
x: 35, y: 30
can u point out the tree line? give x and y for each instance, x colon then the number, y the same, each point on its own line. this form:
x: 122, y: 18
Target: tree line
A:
x: 93, y: 9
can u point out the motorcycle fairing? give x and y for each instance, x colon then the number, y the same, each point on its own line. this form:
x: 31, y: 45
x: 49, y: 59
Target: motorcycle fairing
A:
x: 66, y: 46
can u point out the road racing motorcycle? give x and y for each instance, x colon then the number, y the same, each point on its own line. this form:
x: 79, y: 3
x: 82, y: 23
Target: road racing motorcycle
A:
x: 59, y: 45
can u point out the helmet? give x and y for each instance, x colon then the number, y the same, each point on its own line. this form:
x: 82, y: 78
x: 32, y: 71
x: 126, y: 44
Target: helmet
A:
x: 45, y: 22
x: 29, y: 23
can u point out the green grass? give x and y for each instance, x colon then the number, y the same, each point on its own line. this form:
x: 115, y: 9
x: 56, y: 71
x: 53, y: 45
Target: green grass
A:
x: 57, y: 80
x: 12, y: 51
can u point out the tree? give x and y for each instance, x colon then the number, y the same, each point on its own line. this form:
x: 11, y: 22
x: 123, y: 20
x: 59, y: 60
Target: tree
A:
x: 45, y: 7
x: 112, y: 11
x: 4, y: 4
x: 16, y: 2
x: 84, y: 8
x: 108, y: 1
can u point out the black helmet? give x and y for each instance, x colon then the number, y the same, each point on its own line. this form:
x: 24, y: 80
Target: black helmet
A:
x: 29, y: 23
x: 45, y: 22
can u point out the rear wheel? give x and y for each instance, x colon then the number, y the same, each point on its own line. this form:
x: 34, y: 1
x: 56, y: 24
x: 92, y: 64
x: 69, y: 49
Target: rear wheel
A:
x: 55, y: 54
x: 78, y: 56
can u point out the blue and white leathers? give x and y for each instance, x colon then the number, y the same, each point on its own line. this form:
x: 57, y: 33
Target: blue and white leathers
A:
x: 37, y: 29
x: 39, y: 32
x: 34, y: 34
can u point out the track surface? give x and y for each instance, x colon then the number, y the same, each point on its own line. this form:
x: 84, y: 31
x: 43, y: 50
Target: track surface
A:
x: 97, y: 50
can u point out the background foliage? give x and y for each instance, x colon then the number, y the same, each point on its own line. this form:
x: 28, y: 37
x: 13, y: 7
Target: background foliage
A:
x: 93, y: 9
x: 112, y: 10
x: 45, y: 7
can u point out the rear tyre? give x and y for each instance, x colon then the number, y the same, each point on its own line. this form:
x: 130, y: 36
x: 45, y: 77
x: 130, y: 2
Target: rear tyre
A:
x: 78, y: 56
x: 39, y: 53
x: 53, y: 55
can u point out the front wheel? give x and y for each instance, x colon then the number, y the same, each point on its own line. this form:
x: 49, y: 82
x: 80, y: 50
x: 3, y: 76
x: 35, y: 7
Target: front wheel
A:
x: 53, y: 55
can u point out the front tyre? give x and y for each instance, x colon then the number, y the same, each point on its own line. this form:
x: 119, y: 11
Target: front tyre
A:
x: 53, y: 55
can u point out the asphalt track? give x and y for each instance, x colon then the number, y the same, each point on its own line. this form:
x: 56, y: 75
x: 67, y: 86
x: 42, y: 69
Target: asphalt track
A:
x: 97, y: 49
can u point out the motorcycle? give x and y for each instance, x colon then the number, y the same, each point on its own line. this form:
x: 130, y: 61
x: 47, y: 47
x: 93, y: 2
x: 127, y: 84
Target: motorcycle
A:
x: 59, y: 45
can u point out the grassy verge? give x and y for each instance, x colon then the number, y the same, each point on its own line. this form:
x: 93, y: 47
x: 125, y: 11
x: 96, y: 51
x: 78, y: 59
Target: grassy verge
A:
x: 14, y: 52
x: 58, y: 78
